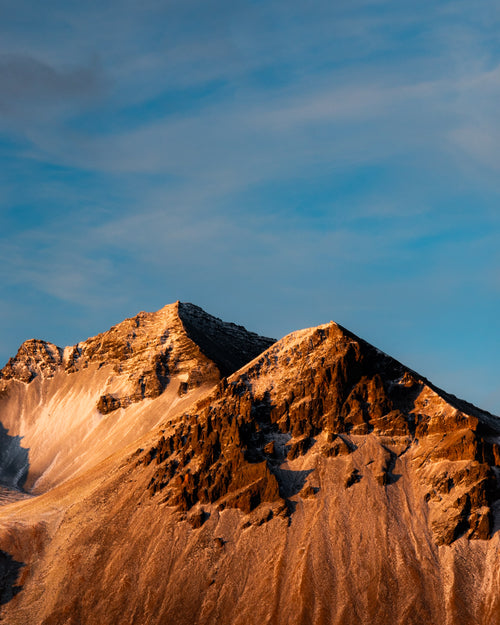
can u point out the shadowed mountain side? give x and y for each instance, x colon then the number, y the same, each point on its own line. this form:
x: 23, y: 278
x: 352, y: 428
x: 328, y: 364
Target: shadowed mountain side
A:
x: 9, y: 572
x: 14, y: 464
x: 228, y: 345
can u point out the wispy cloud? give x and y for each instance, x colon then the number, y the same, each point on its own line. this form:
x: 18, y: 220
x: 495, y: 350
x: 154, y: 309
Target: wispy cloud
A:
x: 335, y: 160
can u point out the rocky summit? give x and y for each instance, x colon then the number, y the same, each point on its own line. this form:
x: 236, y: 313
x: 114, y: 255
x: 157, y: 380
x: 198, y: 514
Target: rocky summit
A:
x: 178, y: 469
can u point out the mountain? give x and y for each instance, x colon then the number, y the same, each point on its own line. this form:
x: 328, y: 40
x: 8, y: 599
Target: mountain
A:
x: 178, y: 469
x: 74, y: 406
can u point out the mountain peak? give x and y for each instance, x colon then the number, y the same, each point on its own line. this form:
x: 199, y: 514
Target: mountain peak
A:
x: 176, y: 351
x: 144, y: 337
x: 34, y: 357
x: 261, y: 479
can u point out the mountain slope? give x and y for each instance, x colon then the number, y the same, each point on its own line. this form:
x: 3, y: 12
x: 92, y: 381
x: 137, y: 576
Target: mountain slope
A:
x: 74, y: 406
x: 323, y: 482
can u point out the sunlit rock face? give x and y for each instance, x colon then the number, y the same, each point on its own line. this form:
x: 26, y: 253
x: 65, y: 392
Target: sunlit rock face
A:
x: 311, y: 480
x: 34, y: 358
x: 326, y: 390
x: 72, y: 407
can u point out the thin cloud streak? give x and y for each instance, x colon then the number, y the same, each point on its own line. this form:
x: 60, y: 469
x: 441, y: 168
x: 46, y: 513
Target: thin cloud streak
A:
x: 333, y: 162
x: 248, y: 142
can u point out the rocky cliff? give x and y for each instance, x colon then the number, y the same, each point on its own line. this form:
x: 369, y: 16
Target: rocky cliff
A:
x: 318, y: 481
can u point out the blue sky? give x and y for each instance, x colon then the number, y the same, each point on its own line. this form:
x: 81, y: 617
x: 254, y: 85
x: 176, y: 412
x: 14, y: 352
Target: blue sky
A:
x: 278, y: 163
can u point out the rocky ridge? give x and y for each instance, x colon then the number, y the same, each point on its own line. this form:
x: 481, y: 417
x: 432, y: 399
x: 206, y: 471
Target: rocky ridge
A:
x: 148, y: 348
x: 329, y: 389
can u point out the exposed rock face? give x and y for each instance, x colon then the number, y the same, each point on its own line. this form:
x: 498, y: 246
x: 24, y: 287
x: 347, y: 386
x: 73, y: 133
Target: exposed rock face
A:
x: 328, y: 383
x: 151, y: 346
x: 147, y: 346
x: 323, y: 482
x: 63, y: 394
x: 34, y: 358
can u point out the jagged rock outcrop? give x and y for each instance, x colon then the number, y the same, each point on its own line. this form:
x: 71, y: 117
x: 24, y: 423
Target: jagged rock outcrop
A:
x: 33, y: 358
x: 321, y: 482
